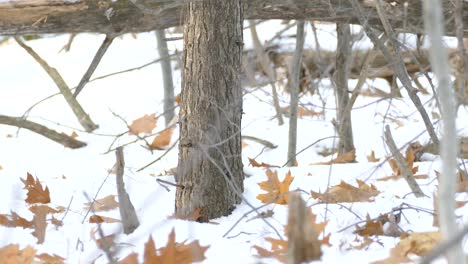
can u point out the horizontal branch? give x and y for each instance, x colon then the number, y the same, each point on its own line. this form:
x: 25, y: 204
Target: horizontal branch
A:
x: 60, y: 138
x: 122, y: 16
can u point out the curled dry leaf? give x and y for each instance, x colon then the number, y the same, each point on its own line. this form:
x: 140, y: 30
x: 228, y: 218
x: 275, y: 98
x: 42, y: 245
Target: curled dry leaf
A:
x: 276, y: 190
x: 372, y: 158
x: 13, y: 254
x: 347, y: 193
x: 144, y: 124
x: 36, y: 194
x: 255, y: 164
x: 14, y: 220
x: 347, y: 157
x: 416, y: 243
x: 172, y: 253
x: 97, y: 219
x: 162, y: 140
x: 104, y: 204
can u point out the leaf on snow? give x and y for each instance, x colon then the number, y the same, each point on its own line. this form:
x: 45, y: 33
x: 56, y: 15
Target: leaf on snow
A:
x: 97, y: 219
x: 35, y: 192
x: 195, y: 215
x: 372, y: 227
x: 409, y: 161
x: 276, y: 190
x: 279, y: 249
x: 416, y: 243
x: 162, y: 140
x: 12, y: 254
x: 347, y: 157
x: 14, y: 220
x: 172, y: 253
x: 347, y: 193
x: 372, y: 158
x: 144, y: 124
x: 255, y: 164
x: 50, y: 259
x: 104, y: 204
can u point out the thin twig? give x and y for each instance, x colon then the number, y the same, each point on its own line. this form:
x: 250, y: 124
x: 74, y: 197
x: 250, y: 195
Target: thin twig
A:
x: 160, y: 157
x: 80, y: 114
x: 94, y: 63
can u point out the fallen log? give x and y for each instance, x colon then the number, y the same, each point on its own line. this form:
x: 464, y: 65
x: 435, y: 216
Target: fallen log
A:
x: 123, y: 16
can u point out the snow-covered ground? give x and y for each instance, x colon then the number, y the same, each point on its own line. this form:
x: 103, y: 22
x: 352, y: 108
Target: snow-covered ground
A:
x: 74, y: 175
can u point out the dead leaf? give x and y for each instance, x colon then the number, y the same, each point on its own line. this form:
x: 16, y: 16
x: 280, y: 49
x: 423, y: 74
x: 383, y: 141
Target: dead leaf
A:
x: 56, y: 222
x: 276, y: 190
x: 416, y: 243
x: 409, y: 161
x: 279, y: 249
x: 347, y: 157
x: 74, y: 135
x: 177, y: 99
x: 50, y: 259
x: 244, y: 144
x: 347, y: 193
x: 144, y: 124
x: 395, y: 177
x: 39, y: 222
x: 104, y: 204
x: 1, y: 168
x: 255, y: 164
x: 462, y: 181
x: 302, y: 112
x: 162, y: 140
x: 370, y: 228
x: 172, y: 253
x: 104, y: 243
x: 14, y: 220
x: 35, y: 192
x: 102, y: 219
x: 372, y: 158
x: 11, y: 254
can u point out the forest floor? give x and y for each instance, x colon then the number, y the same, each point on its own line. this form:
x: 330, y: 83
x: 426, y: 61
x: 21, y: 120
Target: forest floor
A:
x: 73, y: 177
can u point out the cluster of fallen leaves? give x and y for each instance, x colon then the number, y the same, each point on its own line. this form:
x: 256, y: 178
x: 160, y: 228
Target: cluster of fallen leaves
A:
x: 145, y: 125
x: 172, y: 253
x: 37, y: 198
x: 409, y: 159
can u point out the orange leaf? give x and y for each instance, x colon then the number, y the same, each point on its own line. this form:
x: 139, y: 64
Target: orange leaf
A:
x: 279, y: 249
x: 174, y: 253
x: 50, y: 259
x: 162, y: 140
x: 372, y: 158
x: 370, y: 228
x: 255, y: 164
x: 347, y: 157
x: 74, y: 135
x: 347, y: 193
x: 104, y: 204
x: 144, y: 124
x: 102, y: 219
x: 12, y: 254
x: 14, y: 220
x: 35, y: 192
x: 276, y: 190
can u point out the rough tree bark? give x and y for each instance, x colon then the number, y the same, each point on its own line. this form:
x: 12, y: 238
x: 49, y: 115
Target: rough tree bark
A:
x: 344, y: 125
x: 59, y: 16
x: 210, y: 172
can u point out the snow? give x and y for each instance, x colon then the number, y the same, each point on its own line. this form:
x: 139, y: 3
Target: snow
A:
x: 70, y: 174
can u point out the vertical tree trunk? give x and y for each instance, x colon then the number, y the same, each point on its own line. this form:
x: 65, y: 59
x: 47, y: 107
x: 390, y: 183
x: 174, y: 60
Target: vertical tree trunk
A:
x: 167, y: 76
x: 210, y: 171
x: 295, y: 70
x: 343, y: 52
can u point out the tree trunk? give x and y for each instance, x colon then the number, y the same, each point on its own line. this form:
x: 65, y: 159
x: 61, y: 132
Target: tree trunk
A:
x: 343, y: 53
x: 167, y: 76
x: 210, y: 172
